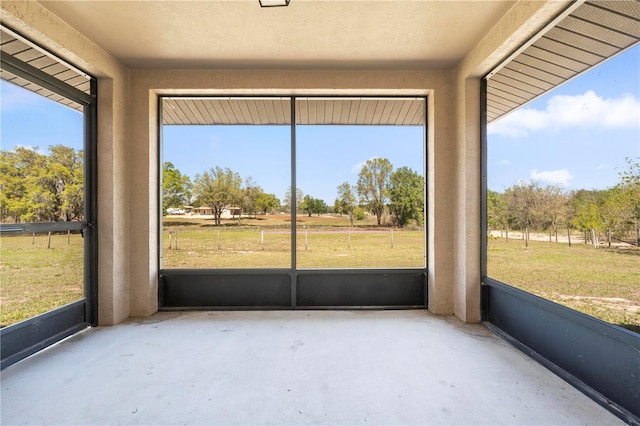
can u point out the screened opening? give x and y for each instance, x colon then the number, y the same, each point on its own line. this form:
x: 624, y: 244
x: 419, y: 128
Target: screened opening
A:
x: 227, y: 198
x: 563, y: 171
x: 360, y: 175
x: 241, y: 176
x: 224, y: 184
x: 47, y: 182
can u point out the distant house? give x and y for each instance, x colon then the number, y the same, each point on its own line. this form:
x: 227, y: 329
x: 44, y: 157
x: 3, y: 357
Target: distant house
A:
x: 227, y: 212
x: 203, y: 210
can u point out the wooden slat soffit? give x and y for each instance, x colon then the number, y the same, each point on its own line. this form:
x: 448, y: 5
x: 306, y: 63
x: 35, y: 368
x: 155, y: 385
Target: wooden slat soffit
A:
x: 309, y: 111
x: 592, y: 33
x: 13, y: 45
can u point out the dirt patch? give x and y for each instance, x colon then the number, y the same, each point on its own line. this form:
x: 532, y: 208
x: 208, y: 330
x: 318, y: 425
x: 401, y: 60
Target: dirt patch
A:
x: 616, y: 303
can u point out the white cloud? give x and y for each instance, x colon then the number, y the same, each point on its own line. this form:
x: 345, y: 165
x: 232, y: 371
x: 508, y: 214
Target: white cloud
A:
x: 602, y: 166
x: 357, y: 167
x: 586, y: 110
x: 559, y: 177
x: 504, y: 163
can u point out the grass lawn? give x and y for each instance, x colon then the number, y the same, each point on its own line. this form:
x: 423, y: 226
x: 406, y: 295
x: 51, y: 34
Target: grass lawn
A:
x: 265, y: 242
x: 35, y: 279
x: 602, y: 282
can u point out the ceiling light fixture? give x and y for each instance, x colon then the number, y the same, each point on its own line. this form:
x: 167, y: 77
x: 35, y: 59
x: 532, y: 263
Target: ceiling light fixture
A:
x: 273, y: 3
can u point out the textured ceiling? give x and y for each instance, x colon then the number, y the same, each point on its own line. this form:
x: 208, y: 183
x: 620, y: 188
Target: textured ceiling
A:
x: 320, y: 34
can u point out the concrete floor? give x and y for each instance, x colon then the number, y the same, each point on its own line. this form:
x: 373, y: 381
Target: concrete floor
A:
x: 290, y: 367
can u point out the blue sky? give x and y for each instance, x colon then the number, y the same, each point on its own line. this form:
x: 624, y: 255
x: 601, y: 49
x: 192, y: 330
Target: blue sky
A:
x: 577, y: 136
x: 35, y: 122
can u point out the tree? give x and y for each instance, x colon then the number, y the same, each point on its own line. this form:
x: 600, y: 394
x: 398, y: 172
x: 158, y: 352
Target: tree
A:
x: 39, y: 187
x: 630, y: 182
x: 406, y: 192
x: 18, y: 171
x: 337, y: 207
x: 68, y: 174
x: 346, y: 201
x: 373, y: 185
x: 320, y: 207
x: 266, y: 203
x: 218, y: 189
x: 615, y: 211
x: 287, y: 199
x: 498, y: 214
x: 584, y: 212
x: 176, y: 187
x: 250, y: 194
x: 554, y: 208
x: 524, y: 201
x: 73, y: 194
x: 308, y: 205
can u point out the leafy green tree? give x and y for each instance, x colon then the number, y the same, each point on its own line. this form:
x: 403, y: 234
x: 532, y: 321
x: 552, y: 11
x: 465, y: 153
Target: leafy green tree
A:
x: 16, y: 182
x: 176, y: 187
x: 320, y: 207
x: 585, y: 213
x: 615, y: 211
x: 65, y: 181
x: 38, y: 187
x: 359, y: 213
x: 498, y: 214
x: 308, y: 205
x: 266, y: 203
x: 406, y: 192
x: 346, y: 201
x: 219, y: 189
x: 373, y: 185
x: 630, y: 182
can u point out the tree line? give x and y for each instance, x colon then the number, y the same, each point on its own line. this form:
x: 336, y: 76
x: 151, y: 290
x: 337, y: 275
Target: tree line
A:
x: 216, y: 188
x: 379, y: 190
x: 36, y: 187
x: 612, y: 213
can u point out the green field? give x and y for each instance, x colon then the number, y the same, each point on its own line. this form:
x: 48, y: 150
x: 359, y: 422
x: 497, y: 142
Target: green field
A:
x: 322, y: 242
x: 35, y: 279
x: 601, y: 282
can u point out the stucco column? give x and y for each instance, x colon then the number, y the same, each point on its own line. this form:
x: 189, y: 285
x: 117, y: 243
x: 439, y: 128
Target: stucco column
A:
x: 466, y: 274
x: 440, y: 173
x: 113, y: 201
x: 143, y: 212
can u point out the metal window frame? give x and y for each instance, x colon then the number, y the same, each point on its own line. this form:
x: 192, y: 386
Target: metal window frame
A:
x: 293, y: 287
x: 22, y: 339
